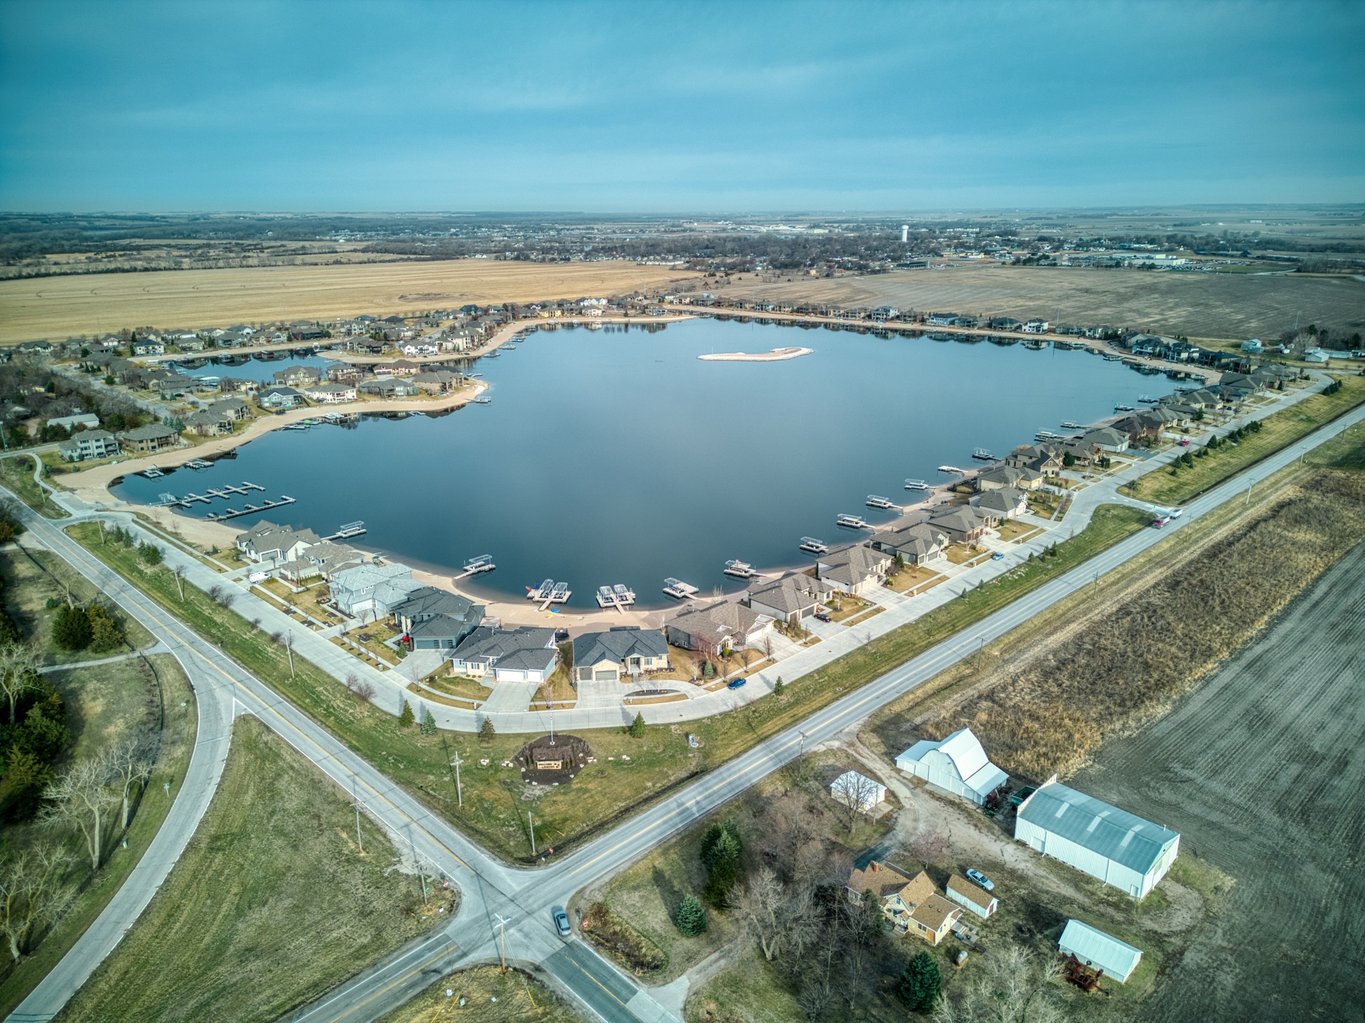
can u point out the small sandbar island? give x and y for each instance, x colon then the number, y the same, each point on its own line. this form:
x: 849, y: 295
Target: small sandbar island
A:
x: 774, y: 355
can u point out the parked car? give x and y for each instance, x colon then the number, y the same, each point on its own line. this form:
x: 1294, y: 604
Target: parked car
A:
x: 997, y: 556
x: 981, y: 879
x: 561, y: 920
x: 735, y: 683
x: 821, y: 616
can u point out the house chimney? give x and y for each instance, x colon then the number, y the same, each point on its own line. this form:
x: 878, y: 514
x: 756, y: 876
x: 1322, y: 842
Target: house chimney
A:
x: 874, y: 866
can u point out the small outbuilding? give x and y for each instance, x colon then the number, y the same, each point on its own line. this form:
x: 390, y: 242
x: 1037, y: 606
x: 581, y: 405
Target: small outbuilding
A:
x: 974, y: 897
x: 1099, y: 951
x: 852, y: 788
x: 956, y: 764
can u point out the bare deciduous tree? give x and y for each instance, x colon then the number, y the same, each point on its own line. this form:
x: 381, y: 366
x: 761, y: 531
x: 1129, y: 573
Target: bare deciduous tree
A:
x: 776, y: 917
x: 81, y: 797
x: 18, y: 672
x: 854, y: 794
x: 178, y: 571
x: 32, y: 890
x: 1014, y: 985
x: 130, y: 765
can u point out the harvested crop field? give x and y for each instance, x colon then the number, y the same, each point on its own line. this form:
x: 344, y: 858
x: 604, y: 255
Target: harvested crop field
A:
x: 1261, y: 773
x: 1204, y: 305
x: 1110, y: 673
x: 59, y: 307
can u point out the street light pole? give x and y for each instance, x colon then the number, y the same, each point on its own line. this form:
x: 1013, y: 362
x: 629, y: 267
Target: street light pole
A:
x: 532, y: 822
x: 459, y: 792
x: 502, y: 940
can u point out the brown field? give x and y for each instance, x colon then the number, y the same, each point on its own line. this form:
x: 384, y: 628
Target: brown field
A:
x: 1194, y: 304
x: 1259, y: 770
x: 60, y: 307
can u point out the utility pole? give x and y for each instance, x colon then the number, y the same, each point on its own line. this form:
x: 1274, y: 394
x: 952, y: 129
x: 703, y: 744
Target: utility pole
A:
x: 459, y: 792
x: 532, y: 822
x: 502, y: 940
x: 421, y: 874
x: 289, y: 649
x: 801, y: 750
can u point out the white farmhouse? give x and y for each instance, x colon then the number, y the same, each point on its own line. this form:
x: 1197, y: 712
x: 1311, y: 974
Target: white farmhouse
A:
x: 956, y: 764
x: 1120, y: 848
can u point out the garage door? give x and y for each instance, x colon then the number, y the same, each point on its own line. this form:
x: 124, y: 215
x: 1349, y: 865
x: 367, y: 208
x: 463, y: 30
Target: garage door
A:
x: 604, y: 675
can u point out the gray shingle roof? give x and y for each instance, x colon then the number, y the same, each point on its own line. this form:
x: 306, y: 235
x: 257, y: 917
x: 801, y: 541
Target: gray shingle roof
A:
x: 1096, y: 825
x: 618, y: 644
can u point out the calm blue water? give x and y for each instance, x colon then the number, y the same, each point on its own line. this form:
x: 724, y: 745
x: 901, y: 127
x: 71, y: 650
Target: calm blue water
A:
x: 261, y: 370
x: 611, y: 457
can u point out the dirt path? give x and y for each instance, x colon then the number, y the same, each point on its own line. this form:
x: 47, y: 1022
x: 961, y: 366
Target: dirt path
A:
x: 1260, y: 771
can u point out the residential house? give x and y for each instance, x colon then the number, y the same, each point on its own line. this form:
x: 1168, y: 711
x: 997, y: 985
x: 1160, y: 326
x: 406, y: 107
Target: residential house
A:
x: 915, y: 545
x: 962, y: 524
x: 957, y: 764
x: 1044, y: 459
x: 1106, y: 439
x: 1104, y: 952
x: 910, y: 904
x: 89, y: 444
x: 855, y: 570
x: 1006, y: 503
x: 296, y: 376
x: 1000, y: 476
x: 437, y: 381
x: 1253, y: 346
x: 388, y: 387
x: 1141, y: 426
x: 625, y: 650
x: 433, y: 619
x: 169, y: 386
x: 148, y: 346
x: 788, y: 599
x: 719, y: 628
x: 972, y: 897
x: 85, y: 420
x: 278, y: 398
x: 269, y: 544
x: 523, y: 654
x: 148, y: 440
x: 330, y: 393
x: 207, y: 423
x: 371, y: 592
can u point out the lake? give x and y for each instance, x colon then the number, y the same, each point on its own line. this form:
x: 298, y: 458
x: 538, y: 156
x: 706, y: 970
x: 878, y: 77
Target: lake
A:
x: 253, y: 368
x: 616, y: 456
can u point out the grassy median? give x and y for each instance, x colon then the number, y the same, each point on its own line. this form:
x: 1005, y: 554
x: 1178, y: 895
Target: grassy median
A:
x: 271, y: 904
x: 485, y: 994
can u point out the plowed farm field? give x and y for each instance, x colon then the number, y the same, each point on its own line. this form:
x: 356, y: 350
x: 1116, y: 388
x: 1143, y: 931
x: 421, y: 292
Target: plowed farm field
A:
x: 1204, y: 305
x: 61, y: 307
x: 1261, y: 771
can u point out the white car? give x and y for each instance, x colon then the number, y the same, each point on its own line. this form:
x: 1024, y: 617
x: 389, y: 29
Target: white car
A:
x: 980, y: 878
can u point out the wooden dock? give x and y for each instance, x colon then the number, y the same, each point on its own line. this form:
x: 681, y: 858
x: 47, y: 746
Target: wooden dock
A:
x: 249, y: 509
x: 347, y: 531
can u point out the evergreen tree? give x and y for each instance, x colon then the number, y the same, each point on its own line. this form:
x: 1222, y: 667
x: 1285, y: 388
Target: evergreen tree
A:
x: 721, y: 853
x: 778, y: 686
x: 486, y: 729
x: 405, y: 718
x: 920, y: 983
x: 690, y: 918
x: 637, y: 727
x: 428, y: 725
x: 72, y: 628
x: 105, y: 633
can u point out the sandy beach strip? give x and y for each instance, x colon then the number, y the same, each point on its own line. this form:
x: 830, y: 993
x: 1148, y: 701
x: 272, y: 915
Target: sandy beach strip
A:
x: 774, y: 355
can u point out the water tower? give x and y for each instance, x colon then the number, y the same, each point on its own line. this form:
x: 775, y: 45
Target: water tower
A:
x: 905, y: 233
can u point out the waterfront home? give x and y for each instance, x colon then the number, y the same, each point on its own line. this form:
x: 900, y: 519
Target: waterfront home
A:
x: 345, y: 373
x: 1005, y: 503
x: 205, y: 423
x: 522, y: 654
x: 149, y: 439
x: 323, y: 560
x: 89, y: 444
x: 957, y: 764
x: 330, y: 393
x: 1145, y: 425
x: 622, y: 650
x: 1044, y: 459
x: 269, y: 544
x: 86, y: 420
x: 278, y: 398
x: 435, y: 619
x: 1011, y: 476
x: 719, y: 628
x: 388, y: 387
x: 371, y: 592
x: 788, y: 599
x: 438, y: 381
x: 148, y: 346
x: 296, y: 376
x: 1106, y: 439
x: 915, y: 545
x: 910, y: 904
x: 962, y: 525
x: 854, y: 569
x: 171, y: 385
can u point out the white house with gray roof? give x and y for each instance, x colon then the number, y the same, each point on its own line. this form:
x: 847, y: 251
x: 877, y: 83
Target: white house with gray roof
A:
x: 89, y: 444
x: 622, y: 650
x: 854, y: 569
x: 516, y: 655
x: 1120, y: 848
x: 371, y: 591
x: 269, y: 544
x: 790, y: 598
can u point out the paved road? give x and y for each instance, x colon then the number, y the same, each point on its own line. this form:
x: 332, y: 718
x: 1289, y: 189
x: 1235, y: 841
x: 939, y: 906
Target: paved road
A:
x: 520, y: 899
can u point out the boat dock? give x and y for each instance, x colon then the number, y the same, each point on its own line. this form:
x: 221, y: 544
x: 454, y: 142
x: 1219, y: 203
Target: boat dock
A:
x: 811, y: 545
x: 1069, y: 425
x: 916, y: 485
x: 199, y: 463
x: 739, y: 569
x: 1046, y: 435
x: 549, y: 592
x: 618, y: 596
x: 347, y: 531
x: 877, y: 501
x: 249, y: 509
x: 152, y: 473
x: 483, y: 563
x: 850, y: 521
x: 226, y: 491
x: 953, y: 469
x: 679, y: 590
x: 983, y: 455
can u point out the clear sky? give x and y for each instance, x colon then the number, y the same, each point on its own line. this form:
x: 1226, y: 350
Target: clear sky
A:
x: 677, y: 107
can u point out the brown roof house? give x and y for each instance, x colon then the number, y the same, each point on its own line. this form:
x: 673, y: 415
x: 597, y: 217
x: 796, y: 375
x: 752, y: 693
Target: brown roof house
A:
x: 788, y: 599
x: 962, y: 525
x: 911, y: 904
x: 975, y: 898
x: 718, y: 628
x: 916, y: 545
x: 854, y: 569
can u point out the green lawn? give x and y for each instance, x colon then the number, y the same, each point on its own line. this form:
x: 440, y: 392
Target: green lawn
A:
x: 271, y: 905
x: 1277, y: 431
x: 17, y: 474
x: 103, y: 703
